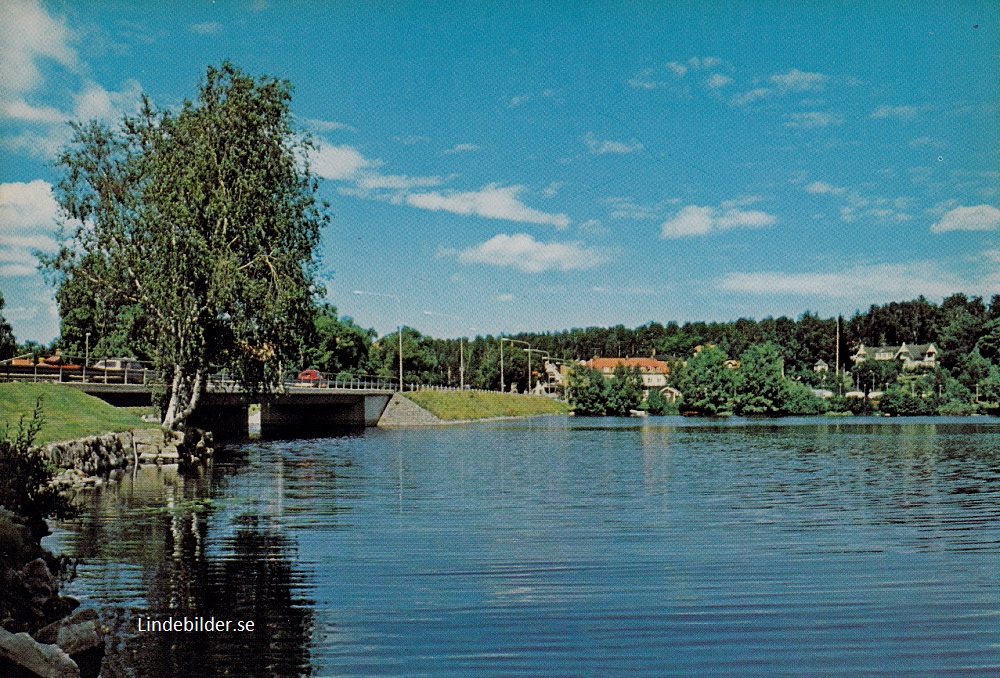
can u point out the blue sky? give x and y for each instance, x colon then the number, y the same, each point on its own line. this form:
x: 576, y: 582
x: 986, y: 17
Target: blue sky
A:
x: 514, y: 166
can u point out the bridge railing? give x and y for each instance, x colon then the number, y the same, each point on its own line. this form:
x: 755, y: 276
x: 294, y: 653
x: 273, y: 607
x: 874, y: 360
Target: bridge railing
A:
x: 74, y: 369
x: 326, y: 380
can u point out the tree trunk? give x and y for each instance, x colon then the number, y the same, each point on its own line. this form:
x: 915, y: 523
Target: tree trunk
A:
x: 185, y: 392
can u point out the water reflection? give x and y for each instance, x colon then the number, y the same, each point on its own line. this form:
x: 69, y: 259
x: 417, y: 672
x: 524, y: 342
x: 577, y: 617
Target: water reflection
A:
x: 566, y: 547
x: 157, y: 546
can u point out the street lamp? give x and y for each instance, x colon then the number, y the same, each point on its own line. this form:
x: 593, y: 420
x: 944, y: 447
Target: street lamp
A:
x: 513, y: 341
x: 399, y: 327
x: 461, y: 348
x: 86, y: 359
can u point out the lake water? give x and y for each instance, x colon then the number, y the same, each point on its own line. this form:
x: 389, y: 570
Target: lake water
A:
x: 562, y: 546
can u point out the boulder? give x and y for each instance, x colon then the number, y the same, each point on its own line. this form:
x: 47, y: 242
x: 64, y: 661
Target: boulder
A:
x: 20, y: 654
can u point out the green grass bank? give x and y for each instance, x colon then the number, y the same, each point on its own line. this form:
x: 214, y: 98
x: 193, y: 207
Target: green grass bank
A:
x: 453, y: 405
x: 67, y: 413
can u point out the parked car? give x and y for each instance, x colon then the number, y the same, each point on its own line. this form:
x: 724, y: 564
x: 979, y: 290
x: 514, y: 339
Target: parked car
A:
x: 310, y: 377
x: 117, y: 370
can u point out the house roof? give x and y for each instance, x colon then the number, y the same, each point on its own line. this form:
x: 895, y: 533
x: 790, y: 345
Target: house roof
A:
x: 914, y: 351
x: 645, y: 364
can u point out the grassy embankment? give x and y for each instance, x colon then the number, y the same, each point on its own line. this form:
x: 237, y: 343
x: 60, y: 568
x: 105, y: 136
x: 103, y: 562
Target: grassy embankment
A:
x: 67, y: 413
x: 478, y: 405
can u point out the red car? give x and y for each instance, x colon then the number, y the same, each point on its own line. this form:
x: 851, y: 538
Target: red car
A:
x: 310, y: 378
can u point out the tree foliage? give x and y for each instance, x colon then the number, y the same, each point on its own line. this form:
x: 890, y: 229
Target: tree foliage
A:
x: 8, y: 345
x: 589, y: 391
x: 25, y: 475
x: 706, y: 383
x: 760, y: 384
x: 200, y: 224
x: 337, y: 345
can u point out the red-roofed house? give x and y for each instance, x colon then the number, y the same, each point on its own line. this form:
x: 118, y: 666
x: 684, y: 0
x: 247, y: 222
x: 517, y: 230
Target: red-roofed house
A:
x: 654, y: 372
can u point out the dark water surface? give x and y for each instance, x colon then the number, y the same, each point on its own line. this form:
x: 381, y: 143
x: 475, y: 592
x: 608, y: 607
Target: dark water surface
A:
x: 563, y: 547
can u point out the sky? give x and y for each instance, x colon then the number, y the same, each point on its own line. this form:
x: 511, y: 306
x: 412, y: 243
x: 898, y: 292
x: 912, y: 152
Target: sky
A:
x: 514, y: 166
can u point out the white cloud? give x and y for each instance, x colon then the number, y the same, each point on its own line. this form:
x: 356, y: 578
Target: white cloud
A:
x: 718, y: 80
x: 691, y: 220
x: 823, y: 187
x: 694, y: 220
x: 31, y: 39
x: 338, y: 163
x: 27, y: 215
x: 890, y: 281
x: 518, y: 100
x: 524, y: 253
x: 461, y: 148
x: 734, y: 218
x: 27, y: 34
x: 978, y: 218
x: 44, y: 146
x: 813, y: 119
x: 678, y: 68
x: 328, y: 125
x: 798, y: 81
x: 18, y: 109
x: 401, y: 182
x: 599, y: 147
x: 750, y: 97
x: 899, y: 112
x: 492, y: 202
x: 552, y: 189
x: 26, y: 207
x: 205, y: 28
x: 95, y: 102
x: 626, y: 208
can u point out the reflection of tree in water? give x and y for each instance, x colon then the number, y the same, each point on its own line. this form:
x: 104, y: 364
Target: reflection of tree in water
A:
x: 254, y: 580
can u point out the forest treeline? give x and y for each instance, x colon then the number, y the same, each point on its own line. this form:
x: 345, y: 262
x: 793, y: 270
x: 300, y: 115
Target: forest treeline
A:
x: 965, y: 330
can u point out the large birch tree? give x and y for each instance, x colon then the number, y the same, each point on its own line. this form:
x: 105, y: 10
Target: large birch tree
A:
x: 202, y: 221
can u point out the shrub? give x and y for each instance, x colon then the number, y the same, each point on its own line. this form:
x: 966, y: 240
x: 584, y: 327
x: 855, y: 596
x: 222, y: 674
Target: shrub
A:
x: 25, y: 475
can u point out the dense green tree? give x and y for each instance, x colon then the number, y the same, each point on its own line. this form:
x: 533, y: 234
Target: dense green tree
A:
x: 989, y: 388
x: 760, y: 385
x: 205, y: 218
x: 7, y: 342
x: 988, y: 344
x: 624, y: 391
x: 799, y: 400
x: 970, y: 369
x: 338, y: 345
x: 875, y: 375
x: 706, y: 383
x: 589, y: 391
x: 901, y: 400
x: 964, y: 321
x: 657, y: 404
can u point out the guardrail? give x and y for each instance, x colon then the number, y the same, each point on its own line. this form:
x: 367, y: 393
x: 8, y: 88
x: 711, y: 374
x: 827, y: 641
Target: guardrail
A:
x: 219, y: 382
x: 76, y: 373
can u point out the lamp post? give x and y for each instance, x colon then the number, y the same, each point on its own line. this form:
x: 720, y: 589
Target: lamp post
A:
x: 461, y: 347
x: 513, y: 341
x: 86, y: 359
x: 399, y: 327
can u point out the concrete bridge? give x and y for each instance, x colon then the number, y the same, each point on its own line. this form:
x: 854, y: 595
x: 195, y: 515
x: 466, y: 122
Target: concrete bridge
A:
x: 224, y: 409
